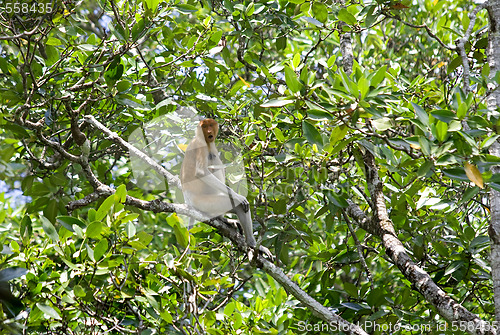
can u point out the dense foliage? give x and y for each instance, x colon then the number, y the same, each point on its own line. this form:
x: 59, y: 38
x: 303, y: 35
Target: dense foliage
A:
x: 272, y: 73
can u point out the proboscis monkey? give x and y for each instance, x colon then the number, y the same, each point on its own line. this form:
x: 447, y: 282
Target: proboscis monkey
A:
x: 204, y: 183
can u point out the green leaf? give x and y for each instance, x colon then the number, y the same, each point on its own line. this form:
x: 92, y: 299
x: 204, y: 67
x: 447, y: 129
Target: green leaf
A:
x: 489, y: 141
x: 425, y: 168
x: 90, y: 252
x: 49, y: 229
x: 292, y: 81
x: 462, y: 111
x: 337, y: 200
x: 279, y: 207
x: 250, y: 9
x: 347, y: 17
x: 319, y: 115
x: 456, y: 62
x: 444, y: 115
x: 229, y: 309
x: 114, y: 71
x: 100, y: 249
x: 440, y: 249
x: 312, y: 21
x: 130, y: 229
x: 371, y: 15
x: 130, y: 101
x: 94, y: 230
x: 338, y: 134
x: 166, y: 316
x: 312, y: 134
x: 320, y: 11
x: 470, y: 193
x: 91, y: 214
x: 105, y: 207
x: 441, y: 132
x: 349, y: 85
x: 152, y: 4
x: 279, y: 134
x: 144, y: 238
x: 123, y: 85
x: 79, y: 291
x: 454, y: 266
x: 86, y: 47
x: 296, y: 60
x: 185, y: 8
x: 182, y: 236
x: 363, y: 86
x: 383, y: 124
x: 281, y: 43
x: 50, y: 312
x: 137, y: 29
x: 421, y: 114
x: 16, y: 129
x: 121, y: 193
x: 53, y: 41
x: 376, y: 297
x: 276, y: 103
x: 26, y: 229
x: 68, y: 222
x: 51, y: 209
x: 456, y: 174
x: 377, y: 78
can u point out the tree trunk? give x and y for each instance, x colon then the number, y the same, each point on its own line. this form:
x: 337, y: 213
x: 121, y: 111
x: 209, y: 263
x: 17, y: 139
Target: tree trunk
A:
x: 493, y: 105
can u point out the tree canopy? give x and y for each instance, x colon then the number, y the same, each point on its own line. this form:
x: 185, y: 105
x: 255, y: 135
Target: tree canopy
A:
x: 365, y: 128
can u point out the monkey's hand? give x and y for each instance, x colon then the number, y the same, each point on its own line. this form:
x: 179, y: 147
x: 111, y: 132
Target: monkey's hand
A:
x: 244, y: 203
x: 239, y: 200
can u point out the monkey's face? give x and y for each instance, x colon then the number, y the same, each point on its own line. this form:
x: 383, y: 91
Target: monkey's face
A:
x: 210, y: 128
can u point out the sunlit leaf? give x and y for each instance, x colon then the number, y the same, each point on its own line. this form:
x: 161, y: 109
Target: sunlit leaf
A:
x: 94, y: 230
x: 292, y: 81
x: 473, y: 174
x: 320, y: 11
x: 100, y: 249
x: 50, y: 312
x: 347, y: 17
x: 276, y: 103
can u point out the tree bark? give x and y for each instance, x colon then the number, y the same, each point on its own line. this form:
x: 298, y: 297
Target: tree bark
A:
x: 493, y: 105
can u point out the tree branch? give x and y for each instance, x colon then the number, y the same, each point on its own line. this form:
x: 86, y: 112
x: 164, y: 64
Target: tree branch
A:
x: 420, y: 26
x: 460, y: 43
x: 381, y: 225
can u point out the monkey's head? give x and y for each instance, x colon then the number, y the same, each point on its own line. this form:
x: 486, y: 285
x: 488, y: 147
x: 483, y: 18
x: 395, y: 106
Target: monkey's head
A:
x: 210, y: 128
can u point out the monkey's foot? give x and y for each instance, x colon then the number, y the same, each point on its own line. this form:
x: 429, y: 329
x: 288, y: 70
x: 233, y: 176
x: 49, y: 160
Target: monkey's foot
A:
x: 266, y: 253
